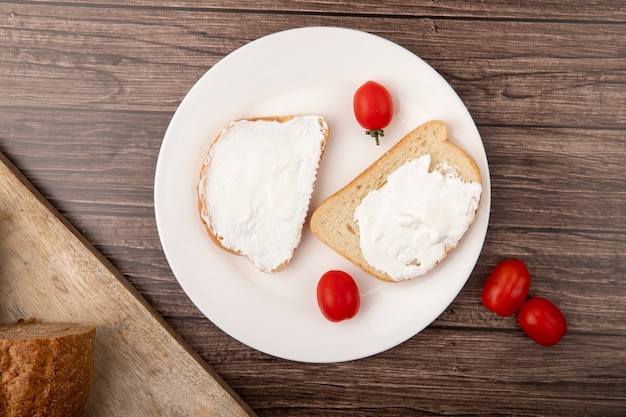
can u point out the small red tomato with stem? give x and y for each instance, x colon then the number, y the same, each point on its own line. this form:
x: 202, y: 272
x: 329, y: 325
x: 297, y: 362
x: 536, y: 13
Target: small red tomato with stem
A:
x: 373, y: 108
x: 506, y: 287
x: 338, y: 296
x: 542, y: 321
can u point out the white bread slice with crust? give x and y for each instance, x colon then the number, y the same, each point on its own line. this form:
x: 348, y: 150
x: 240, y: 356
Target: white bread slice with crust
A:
x: 333, y: 222
x: 256, y: 184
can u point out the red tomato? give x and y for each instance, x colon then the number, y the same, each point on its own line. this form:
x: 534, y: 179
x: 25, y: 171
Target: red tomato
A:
x: 373, y: 108
x: 338, y: 296
x: 542, y: 321
x: 506, y: 288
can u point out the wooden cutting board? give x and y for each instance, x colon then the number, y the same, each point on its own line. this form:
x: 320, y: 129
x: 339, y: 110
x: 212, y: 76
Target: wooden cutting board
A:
x: 48, y: 271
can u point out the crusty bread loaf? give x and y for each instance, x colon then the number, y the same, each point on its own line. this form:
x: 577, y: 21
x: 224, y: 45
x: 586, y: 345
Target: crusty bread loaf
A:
x: 334, y: 223
x: 45, y: 369
x: 256, y: 185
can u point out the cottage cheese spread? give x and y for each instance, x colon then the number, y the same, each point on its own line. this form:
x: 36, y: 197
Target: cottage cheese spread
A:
x: 407, y: 225
x: 259, y: 183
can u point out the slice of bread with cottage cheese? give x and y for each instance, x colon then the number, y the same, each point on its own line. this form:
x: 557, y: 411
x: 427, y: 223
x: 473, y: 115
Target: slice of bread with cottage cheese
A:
x: 256, y: 185
x: 407, y: 211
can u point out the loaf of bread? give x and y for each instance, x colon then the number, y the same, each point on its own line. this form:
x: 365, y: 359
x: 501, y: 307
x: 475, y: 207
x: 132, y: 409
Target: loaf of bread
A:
x: 407, y: 211
x: 256, y: 184
x: 45, y: 369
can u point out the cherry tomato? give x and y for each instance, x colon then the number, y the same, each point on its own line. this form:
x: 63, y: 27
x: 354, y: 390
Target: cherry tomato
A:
x: 542, y: 321
x: 373, y: 108
x: 338, y: 296
x: 506, y: 287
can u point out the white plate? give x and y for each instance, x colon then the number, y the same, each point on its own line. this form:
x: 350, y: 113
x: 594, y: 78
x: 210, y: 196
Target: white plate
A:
x: 309, y: 70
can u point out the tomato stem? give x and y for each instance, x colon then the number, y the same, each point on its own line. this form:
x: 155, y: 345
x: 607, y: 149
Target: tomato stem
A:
x: 375, y: 133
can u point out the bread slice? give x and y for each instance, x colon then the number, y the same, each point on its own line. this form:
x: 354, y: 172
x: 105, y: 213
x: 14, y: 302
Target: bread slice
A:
x: 256, y: 185
x: 334, y: 222
x: 46, y: 369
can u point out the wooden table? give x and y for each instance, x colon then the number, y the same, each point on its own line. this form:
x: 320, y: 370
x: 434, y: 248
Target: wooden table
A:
x: 87, y: 91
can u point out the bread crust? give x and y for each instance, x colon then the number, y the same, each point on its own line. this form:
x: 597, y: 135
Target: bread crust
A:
x: 47, y: 369
x: 333, y: 220
x: 203, y: 205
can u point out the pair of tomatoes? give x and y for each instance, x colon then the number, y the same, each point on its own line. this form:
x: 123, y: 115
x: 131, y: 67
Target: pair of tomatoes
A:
x: 506, y: 291
x: 337, y: 293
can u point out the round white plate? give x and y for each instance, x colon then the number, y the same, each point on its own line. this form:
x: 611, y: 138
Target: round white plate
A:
x: 309, y: 70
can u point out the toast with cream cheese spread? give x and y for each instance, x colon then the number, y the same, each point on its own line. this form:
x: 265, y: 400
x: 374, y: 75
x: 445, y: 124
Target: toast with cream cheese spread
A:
x: 256, y: 184
x: 406, y: 212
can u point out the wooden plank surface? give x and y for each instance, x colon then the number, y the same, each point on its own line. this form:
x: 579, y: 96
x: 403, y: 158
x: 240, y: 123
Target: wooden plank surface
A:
x: 88, y: 89
x: 51, y: 274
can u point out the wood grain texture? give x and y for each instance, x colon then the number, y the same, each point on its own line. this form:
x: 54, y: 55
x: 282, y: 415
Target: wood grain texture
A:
x: 534, y: 10
x: 170, y: 46
x: 88, y: 89
x: 51, y: 274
